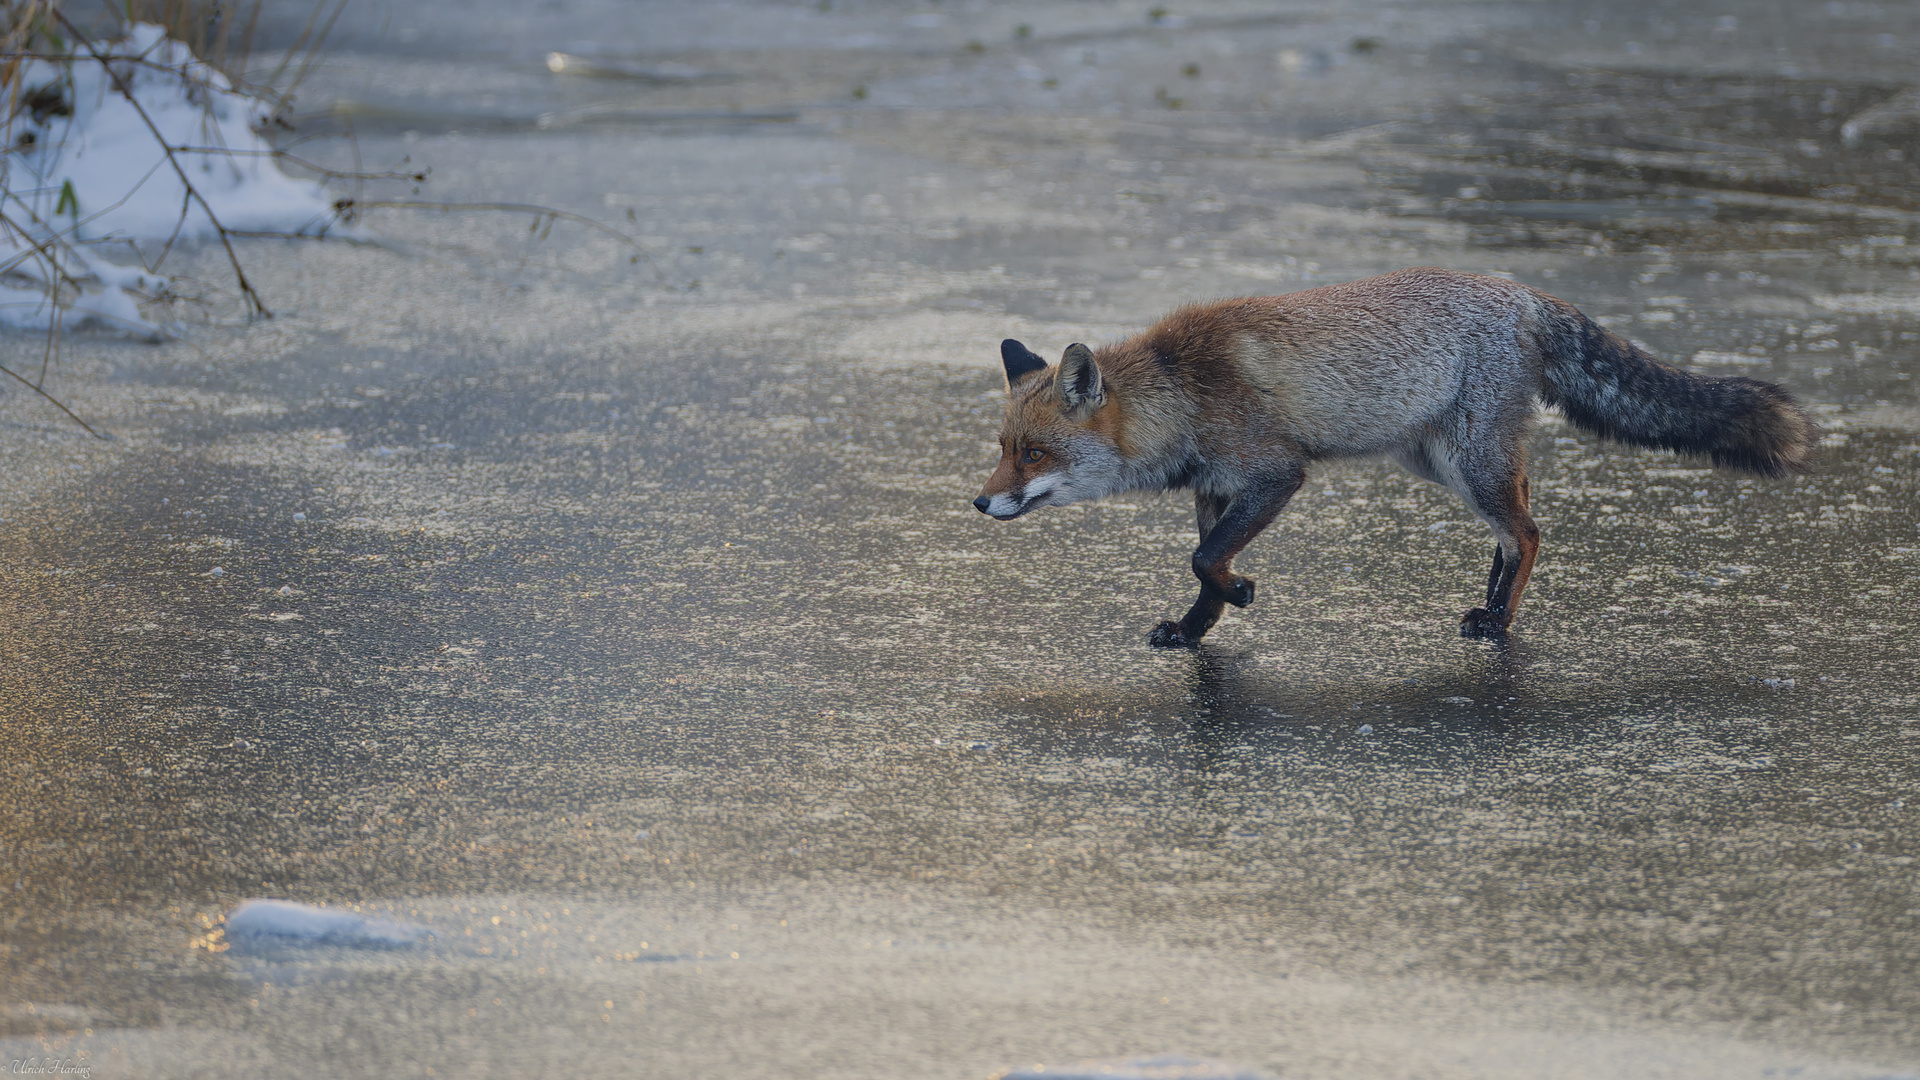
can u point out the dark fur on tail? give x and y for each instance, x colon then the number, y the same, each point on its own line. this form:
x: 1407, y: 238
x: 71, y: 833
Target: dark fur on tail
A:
x: 1607, y: 386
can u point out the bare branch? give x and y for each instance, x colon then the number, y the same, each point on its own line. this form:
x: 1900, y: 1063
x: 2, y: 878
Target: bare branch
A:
x: 247, y: 292
x: 54, y: 401
x: 346, y: 207
x: 184, y: 74
x: 186, y: 207
x: 417, y: 176
x: 53, y: 346
x: 41, y: 247
x: 313, y: 50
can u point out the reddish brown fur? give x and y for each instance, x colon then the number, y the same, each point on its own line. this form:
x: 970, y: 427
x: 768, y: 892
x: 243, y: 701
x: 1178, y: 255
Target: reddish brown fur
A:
x: 1234, y: 399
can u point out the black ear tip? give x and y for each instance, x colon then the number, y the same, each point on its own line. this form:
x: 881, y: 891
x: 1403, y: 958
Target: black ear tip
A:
x: 1020, y: 361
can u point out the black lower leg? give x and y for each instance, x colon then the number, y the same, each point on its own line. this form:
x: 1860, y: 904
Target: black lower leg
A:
x: 1492, y: 619
x: 1227, y: 526
x: 1497, y: 488
x: 1245, y: 515
x: 1194, y: 626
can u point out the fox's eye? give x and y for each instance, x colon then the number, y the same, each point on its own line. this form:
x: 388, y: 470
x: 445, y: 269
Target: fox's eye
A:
x: 1033, y: 455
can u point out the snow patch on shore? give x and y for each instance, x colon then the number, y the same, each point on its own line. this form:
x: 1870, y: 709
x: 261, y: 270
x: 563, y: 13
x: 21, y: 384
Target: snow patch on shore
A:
x: 79, y: 185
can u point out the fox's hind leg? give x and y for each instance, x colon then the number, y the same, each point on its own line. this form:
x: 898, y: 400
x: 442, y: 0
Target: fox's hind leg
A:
x: 1492, y: 478
x: 1500, y: 497
x: 1226, y: 527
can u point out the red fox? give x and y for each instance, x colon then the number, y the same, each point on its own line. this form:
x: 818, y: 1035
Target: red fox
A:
x: 1439, y: 369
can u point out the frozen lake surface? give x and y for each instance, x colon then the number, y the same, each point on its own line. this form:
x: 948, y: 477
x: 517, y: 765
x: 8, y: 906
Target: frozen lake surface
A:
x: 626, y: 625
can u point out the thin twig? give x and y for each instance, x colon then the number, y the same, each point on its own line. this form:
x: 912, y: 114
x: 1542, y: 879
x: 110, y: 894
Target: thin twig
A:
x: 186, y: 206
x: 418, y: 176
x: 53, y: 346
x: 313, y: 50
x: 359, y: 183
x: 305, y: 33
x: 40, y: 247
x: 72, y: 234
x: 181, y: 72
x: 346, y: 207
x: 247, y: 293
x: 246, y: 39
x: 5, y: 370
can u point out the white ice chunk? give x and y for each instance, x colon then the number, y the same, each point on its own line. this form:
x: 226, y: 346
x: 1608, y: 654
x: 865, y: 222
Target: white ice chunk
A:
x: 1901, y: 111
x: 283, y: 924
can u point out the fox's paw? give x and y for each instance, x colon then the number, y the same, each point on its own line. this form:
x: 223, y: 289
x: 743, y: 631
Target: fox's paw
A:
x: 1481, y: 623
x: 1241, y: 593
x: 1168, y: 635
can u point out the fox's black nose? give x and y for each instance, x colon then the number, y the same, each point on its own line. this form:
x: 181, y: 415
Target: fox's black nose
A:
x: 982, y: 503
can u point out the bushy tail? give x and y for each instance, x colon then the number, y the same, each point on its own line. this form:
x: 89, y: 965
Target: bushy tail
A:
x: 1607, y: 386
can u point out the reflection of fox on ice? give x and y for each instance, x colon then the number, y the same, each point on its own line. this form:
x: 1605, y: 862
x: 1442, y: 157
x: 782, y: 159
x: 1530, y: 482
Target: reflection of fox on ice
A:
x: 1439, y: 369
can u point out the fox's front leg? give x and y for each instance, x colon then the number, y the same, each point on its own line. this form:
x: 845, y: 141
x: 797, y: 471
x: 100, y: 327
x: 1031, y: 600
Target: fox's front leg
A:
x: 1207, y: 509
x: 1226, y: 527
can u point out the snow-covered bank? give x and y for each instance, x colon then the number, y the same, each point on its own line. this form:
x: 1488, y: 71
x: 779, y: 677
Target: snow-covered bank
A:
x: 88, y: 171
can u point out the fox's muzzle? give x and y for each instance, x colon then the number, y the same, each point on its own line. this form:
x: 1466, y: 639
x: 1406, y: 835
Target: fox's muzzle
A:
x: 1042, y: 490
x: 1001, y: 507
x: 1005, y: 506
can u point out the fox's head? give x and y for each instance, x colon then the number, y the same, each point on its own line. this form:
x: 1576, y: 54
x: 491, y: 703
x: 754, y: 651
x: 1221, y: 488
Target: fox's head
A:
x: 1056, y: 445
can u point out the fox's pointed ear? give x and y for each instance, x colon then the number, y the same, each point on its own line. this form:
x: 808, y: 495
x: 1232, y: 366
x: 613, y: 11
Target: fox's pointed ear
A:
x: 1020, y: 361
x: 1081, y: 388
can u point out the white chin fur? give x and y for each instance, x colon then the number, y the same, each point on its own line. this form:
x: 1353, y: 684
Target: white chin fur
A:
x: 1042, y: 487
x: 1035, y: 495
x: 1004, y: 505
